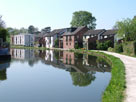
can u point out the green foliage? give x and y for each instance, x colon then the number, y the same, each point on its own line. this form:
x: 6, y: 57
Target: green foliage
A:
x: 14, y: 31
x: 56, y: 43
x: 76, y: 46
x: 104, y: 45
x: 127, y: 29
x: 129, y: 48
x: 111, y: 49
x: 31, y: 29
x: 4, y: 34
x: 118, y: 48
x: 82, y: 79
x: 83, y: 18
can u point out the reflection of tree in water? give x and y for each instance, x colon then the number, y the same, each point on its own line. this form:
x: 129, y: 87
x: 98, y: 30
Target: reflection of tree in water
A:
x: 3, y: 75
x: 82, y: 79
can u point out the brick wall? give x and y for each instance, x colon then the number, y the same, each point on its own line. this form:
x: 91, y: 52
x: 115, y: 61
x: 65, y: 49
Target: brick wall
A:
x: 68, y: 44
x: 78, y: 37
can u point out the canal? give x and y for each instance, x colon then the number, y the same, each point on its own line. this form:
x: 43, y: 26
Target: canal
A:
x: 52, y: 76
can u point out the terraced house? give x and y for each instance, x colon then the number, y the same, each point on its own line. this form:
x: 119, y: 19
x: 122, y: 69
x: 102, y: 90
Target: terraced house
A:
x: 101, y: 35
x: 73, y: 37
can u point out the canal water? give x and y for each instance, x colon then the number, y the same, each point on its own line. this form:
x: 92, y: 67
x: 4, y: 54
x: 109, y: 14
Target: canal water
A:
x: 52, y: 76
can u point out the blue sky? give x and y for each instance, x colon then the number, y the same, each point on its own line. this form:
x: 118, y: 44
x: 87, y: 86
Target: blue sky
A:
x: 58, y: 13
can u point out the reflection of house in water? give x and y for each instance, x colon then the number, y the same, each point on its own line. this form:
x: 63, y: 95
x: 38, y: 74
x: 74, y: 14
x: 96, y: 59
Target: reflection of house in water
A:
x: 68, y: 57
x: 95, y: 63
x: 22, y: 54
x: 49, y: 55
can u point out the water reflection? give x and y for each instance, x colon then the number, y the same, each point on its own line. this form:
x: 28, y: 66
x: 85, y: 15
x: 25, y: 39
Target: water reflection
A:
x: 82, y: 67
x: 4, y: 64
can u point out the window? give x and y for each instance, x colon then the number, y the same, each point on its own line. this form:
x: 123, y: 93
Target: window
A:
x: 105, y: 36
x: 20, y: 39
x: 66, y: 38
x: 70, y: 38
x: 66, y: 43
x: 77, y: 36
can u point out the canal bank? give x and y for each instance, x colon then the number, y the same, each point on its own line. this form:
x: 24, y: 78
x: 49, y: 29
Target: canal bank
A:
x: 115, y: 90
x: 130, y: 69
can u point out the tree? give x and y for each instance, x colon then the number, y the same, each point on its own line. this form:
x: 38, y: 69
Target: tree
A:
x: 4, y: 34
x: 23, y: 30
x: 126, y: 29
x: 2, y: 23
x: 31, y: 29
x: 83, y: 18
x: 46, y: 30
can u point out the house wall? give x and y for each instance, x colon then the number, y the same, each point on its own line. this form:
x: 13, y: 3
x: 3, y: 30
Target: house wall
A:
x: 68, y: 44
x: 24, y: 40
x: 50, y: 41
x: 77, y: 38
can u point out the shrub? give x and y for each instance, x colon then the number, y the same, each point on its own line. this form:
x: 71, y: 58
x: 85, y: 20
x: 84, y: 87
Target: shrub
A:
x: 104, y: 45
x: 56, y: 43
x: 118, y: 48
x: 111, y: 49
x: 129, y: 48
x: 76, y: 46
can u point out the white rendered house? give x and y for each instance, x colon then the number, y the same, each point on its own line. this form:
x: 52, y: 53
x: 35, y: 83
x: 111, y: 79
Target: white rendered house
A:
x: 24, y: 39
x: 50, y: 41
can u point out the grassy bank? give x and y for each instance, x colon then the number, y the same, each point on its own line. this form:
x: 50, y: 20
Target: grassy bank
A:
x: 23, y: 47
x: 115, y: 90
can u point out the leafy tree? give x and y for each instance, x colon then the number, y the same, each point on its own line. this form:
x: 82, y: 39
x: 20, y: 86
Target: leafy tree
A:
x: 13, y: 31
x: 127, y: 29
x: 83, y: 18
x: 31, y: 29
x: 82, y: 79
x: 4, y: 34
x: 23, y: 30
x: 46, y: 30
x: 2, y: 23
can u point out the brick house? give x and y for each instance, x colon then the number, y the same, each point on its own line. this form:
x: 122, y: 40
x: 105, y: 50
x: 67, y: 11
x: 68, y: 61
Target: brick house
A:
x: 74, y: 36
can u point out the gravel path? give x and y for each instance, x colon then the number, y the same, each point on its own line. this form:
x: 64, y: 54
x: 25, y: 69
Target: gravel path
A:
x: 130, y: 68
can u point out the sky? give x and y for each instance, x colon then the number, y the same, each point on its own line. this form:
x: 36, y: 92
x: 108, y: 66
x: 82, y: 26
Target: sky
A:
x: 58, y: 13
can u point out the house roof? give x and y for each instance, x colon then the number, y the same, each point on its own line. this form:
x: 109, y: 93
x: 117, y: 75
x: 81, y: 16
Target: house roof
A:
x: 39, y: 36
x: 110, y: 32
x: 94, y: 32
x: 75, y: 31
x: 54, y: 32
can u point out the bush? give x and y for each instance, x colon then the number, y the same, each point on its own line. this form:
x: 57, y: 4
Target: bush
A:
x: 56, y: 43
x: 129, y: 48
x: 104, y: 45
x: 118, y: 48
x: 111, y: 49
x: 76, y: 46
